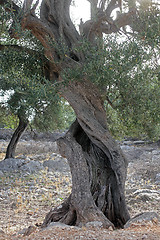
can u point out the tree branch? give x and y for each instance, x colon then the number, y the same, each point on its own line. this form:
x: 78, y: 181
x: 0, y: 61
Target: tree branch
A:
x: 102, y: 4
x: 40, y: 30
x: 105, y: 24
x: 110, y: 102
x: 111, y: 6
x: 27, y: 5
x: 122, y: 21
x: 29, y: 21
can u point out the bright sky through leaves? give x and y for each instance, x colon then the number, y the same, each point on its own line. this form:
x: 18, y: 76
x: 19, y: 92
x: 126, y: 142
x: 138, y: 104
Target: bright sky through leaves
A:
x: 81, y: 9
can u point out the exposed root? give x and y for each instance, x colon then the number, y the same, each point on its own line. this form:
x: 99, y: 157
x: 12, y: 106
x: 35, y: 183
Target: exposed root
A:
x: 57, y: 214
x: 68, y: 215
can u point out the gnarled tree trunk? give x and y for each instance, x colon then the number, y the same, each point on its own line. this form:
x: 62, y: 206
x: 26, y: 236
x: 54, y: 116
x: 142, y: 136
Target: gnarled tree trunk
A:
x: 10, y: 152
x: 97, y: 165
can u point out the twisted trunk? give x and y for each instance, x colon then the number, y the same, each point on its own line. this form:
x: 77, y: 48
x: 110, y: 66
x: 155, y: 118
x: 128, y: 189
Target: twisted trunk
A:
x: 97, y: 164
x: 10, y: 152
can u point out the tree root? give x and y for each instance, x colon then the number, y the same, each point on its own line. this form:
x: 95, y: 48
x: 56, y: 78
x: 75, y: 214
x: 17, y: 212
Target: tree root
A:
x: 67, y: 214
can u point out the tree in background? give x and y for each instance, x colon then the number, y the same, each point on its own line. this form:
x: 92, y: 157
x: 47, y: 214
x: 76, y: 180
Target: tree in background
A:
x: 45, y: 114
x: 7, y: 120
x: 88, y: 71
x: 11, y: 148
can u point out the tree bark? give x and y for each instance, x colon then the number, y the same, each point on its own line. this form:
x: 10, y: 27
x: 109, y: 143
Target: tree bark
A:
x: 10, y: 152
x: 97, y: 164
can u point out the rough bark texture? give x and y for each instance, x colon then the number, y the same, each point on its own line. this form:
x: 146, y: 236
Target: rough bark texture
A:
x: 97, y: 164
x: 10, y: 152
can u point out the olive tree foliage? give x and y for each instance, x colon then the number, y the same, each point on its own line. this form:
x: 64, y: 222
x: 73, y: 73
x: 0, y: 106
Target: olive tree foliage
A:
x: 7, y: 120
x: 110, y: 63
x: 29, y: 94
x: 25, y: 87
x: 134, y: 99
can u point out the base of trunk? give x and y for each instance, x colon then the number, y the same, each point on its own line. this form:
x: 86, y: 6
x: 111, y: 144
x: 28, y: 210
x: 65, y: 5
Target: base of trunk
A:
x: 67, y: 214
x: 97, y: 185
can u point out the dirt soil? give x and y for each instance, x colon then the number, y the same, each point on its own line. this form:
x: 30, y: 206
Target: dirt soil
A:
x: 135, y: 233
x: 26, y: 198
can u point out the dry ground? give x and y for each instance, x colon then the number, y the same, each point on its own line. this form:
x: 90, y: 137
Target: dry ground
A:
x: 134, y: 233
x: 26, y: 198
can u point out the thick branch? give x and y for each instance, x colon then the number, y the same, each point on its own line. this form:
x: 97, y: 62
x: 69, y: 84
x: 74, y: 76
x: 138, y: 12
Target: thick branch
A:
x: 56, y: 14
x: 93, y: 8
x: 111, y: 6
x: 43, y: 33
x: 29, y: 21
x: 27, y: 5
x: 105, y: 24
x: 37, y: 27
x: 125, y: 18
x: 102, y: 4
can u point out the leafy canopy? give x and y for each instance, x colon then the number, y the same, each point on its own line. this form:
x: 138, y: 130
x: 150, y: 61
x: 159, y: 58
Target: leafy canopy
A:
x: 22, y: 73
